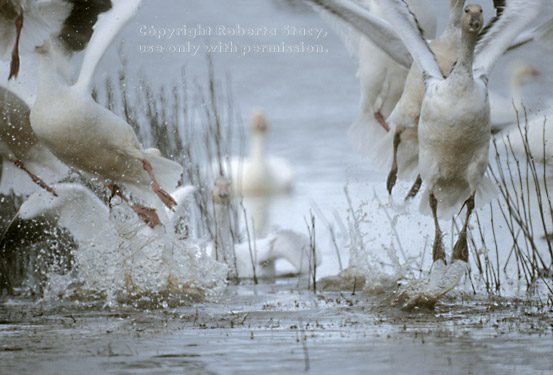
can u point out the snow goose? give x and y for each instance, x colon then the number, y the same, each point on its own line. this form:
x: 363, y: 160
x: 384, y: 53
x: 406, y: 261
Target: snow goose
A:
x: 260, y: 254
x: 260, y: 174
x: 90, y: 138
x: 402, y: 141
x: 533, y: 138
x: 27, y: 23
x: 502, y: 110
x: 381, y: 77
x: 454, y: 129
x: 20, y: 149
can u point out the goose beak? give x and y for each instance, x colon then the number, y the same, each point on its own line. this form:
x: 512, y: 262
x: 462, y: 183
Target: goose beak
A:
x: 475, y: 23
x: 534, y: 72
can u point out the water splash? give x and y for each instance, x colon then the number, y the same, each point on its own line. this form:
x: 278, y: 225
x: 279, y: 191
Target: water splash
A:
x: 128, y: 261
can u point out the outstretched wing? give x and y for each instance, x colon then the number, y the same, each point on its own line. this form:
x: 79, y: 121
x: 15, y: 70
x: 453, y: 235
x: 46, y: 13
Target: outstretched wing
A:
x: 514, y: 19
x: 106, y: 29
x: 542, y: 34
x: 360, y: 19
x: 406, y: 26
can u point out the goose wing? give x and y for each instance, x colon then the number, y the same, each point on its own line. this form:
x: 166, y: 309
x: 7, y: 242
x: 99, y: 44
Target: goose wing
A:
x: 407, y: 27
x: 542, y: 34
x: 352, y: 20
x: 514, y: 19
x: 105, y: 30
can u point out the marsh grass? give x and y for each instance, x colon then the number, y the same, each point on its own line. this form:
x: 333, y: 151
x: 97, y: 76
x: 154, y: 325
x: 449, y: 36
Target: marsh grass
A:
x: 195, y: 124
x: 522, y: 217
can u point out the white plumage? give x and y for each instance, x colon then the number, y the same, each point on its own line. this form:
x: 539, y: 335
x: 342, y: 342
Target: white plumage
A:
x: 454, y: 126
x: 381, y: 76
x: 25, y: 24
x: 262, y: 253
x: 259, y: 174
x: 90, y: 138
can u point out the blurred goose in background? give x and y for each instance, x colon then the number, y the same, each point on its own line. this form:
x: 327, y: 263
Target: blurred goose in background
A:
x: 259, y: 174
x: 381, y: 77
x: 503, y: 107
x: 533, y: 139
x: 91, y: 139
x: 264, y: 252
x: 454, y: 129
x: 26, y: 24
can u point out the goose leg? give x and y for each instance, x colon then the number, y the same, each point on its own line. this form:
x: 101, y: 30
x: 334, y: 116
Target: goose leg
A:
x: 378, y: 117
x: 37, y: 180
x: 415, y: 188
x: 165, y: 197
x: 14, y: 67
x: 438, y: 251
x: 460, y: 250
x: 392, y: 176
x: 147, y: 214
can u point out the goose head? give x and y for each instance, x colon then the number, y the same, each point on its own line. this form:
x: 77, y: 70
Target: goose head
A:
x: 44, y: 49
x: 472, y: 19
x: 523, y: 72
x: 258, y: 123
x: 221, y: 191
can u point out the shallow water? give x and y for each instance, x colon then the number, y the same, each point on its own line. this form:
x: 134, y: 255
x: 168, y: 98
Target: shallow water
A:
x: 277, y: 328
x: 282, y: 327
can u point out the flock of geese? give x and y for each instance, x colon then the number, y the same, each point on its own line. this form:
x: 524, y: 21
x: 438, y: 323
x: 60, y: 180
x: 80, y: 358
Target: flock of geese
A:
x: 425, y: 110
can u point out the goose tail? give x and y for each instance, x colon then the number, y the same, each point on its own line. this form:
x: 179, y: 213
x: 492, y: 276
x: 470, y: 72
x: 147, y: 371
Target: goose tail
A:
x: 365, y: 133
x: 451, y: 199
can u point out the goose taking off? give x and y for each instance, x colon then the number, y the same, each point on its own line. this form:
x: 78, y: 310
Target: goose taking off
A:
x: 90, y: 138
x: 454, y: 128
x: 27, y: 23
x: 402, y: 141
x: 259, y: 174
x: 282, y: 244
x: 381, y: 77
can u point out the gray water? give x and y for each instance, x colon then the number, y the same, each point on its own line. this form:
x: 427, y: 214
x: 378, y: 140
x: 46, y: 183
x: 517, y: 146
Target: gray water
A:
x: 282, y: 326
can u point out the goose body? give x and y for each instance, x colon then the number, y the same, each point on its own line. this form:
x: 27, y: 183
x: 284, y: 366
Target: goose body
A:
x: 398, y: 150
x: 454, y: 127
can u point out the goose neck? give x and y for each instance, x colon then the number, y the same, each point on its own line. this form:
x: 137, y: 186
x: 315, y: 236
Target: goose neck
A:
x: 466, y: 54
x: 47, y: 76
x: 455, y: 13
x: 257, y: 147
x: 223, y: 242
x: 515, y: 88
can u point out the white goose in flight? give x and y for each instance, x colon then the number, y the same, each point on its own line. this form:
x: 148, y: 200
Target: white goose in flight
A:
x: 454, y: 128
x: 90, y: 138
